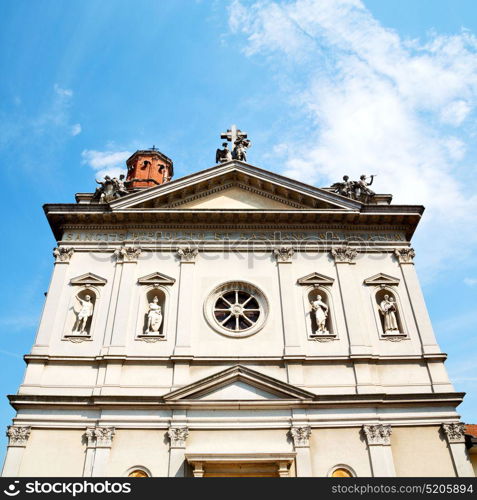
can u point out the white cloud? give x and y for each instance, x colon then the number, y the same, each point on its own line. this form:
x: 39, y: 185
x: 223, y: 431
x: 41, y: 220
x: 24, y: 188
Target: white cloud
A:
x: 470, y: 281
x: 372, y: 102
x: 76, y: 129
x: 106, y: 162
x: 62, y: 92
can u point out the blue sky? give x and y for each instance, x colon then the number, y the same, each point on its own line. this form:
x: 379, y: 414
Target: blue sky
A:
x: 322, y: 87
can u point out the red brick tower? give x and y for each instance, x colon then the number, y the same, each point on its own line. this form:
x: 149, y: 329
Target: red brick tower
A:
x: 148, y: 168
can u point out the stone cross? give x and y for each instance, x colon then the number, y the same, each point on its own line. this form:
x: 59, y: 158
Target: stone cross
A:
x: 232, y: 134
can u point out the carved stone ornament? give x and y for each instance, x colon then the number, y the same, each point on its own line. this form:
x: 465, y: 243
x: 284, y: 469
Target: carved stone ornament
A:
x: 405, y: 255
x: 329, y: 337
x: 301, y: 436
x: 104, y: 436
x: 187, y: 254
x: 127, y: 253
x: 63, y: 254
x: 283, y: 254
x: 178, y: 436
x: 454, y: 432
x: 344, y: 254
x: 377, y: 434
x: 18, y: 435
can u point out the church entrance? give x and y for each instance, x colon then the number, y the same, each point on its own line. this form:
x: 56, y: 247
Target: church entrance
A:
x: 247, y: 465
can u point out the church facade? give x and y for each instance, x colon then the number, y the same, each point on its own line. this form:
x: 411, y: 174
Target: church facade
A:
x: 234, y: 322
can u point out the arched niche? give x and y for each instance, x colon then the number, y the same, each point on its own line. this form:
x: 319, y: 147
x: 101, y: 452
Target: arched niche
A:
x: 341, y: 471
x: 82, y: 312
x: 138, y: 471
x: 328, y: 329
x: 156, y: 298
x: 152, y: 297
x: 389, y: 310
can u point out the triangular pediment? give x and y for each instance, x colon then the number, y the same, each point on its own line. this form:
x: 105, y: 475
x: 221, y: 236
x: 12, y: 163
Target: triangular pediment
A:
x: 315, y: 279
x: 88, y: 279
x: 381, y: 279
x: 156, y: 278
x: 234, y: 186
x: 238, y: 383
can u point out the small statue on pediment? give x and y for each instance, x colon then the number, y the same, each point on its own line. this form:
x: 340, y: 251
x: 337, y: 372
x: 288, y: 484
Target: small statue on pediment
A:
x: 110, y: 189
x: 356, y: 190
x: 223, y: 155
x: 240, y: 149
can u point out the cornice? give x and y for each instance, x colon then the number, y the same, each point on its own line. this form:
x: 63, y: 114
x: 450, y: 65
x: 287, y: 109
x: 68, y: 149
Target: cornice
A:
x: 452, y: 399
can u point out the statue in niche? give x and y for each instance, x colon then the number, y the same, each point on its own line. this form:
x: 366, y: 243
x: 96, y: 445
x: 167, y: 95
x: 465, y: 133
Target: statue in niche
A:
x: 154, y: 317
x: 320, y: 311
x: 387, y: 308
x: 84, y: 313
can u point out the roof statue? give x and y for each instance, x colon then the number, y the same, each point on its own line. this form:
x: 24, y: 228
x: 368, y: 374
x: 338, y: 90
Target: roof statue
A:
x: 356, y: 190
x: 240, y: 145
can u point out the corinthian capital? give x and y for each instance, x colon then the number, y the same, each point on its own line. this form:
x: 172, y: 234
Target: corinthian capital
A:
x: 187, y: 254
x: 127, y: 253
x: 377, y: 434
x: 18, y: 435
x: 404, y: 255
x: 301, y: 436
x: 63, y: 254
x: 283, y: 254
x: 104, y: 436
x: 454, y: 432
x: 344, y: 254
x: 178, y: 436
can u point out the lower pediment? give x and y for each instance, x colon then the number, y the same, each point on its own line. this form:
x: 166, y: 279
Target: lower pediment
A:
x: 238, y: 383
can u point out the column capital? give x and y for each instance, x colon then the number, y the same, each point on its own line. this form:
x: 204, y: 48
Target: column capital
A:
x: 18, y: 435
x: 178, y: 436
x: 99, y: 437
x: 454, y: 432
x: 377, y: 434
x: 405, y: 255
x: 127, y: 254
x: 301, y: 436
x: 283, y: 254
x: 63, y: 255
x: 187, y: 254
x: 344, y: 255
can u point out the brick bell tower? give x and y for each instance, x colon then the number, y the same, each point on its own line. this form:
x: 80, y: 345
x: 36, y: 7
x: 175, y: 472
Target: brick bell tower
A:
x: 148, y: 168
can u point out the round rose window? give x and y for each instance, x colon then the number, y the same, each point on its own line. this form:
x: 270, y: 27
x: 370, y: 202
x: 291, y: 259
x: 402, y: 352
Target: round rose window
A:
x: 237, y: 309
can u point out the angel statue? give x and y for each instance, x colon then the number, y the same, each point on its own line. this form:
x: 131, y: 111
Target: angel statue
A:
x: 223, y: 155
x: 84, y: 313
x: 362, y: 190
x: 154, y: 317
x: 240, y: 149
x: 387, y: 308
x: 345, y: 188
x: 320, y: 310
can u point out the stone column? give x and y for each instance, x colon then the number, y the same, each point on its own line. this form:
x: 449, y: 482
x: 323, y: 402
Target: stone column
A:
x: 351, y: 299
x: 126, y: 258
x: 301, y: 440
x: 378, y: 438
x: 103, y: 440
x: 455, y: 436
x: 187, y: 256
x: 90, y: 451
x: 177, y: 437
x: 56, y: 299
x: 17, y: 440
x: 284, y: 256
x: 423, y: 323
